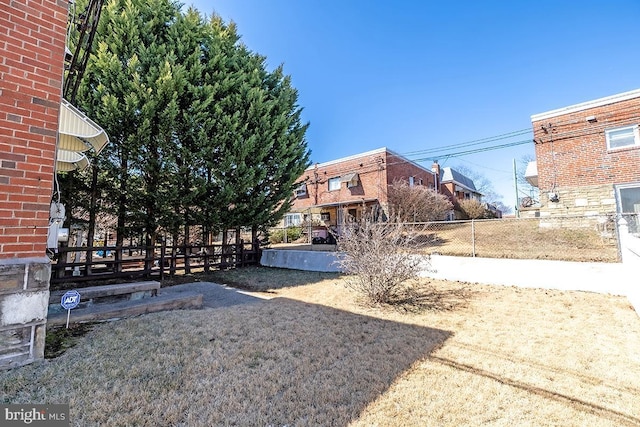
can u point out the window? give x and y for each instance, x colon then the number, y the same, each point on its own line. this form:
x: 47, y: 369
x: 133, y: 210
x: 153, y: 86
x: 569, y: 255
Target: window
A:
x: 334, y: 184
x: 292, y: 219
x: 411, y: 181
x: 622, y: 137
x: 629, y: 205
x: 325, y: 216
x: 629, y: 197
x: 301, y: 190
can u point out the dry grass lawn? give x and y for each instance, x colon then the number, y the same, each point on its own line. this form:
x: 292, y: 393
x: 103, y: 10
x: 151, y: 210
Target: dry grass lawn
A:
x: 467, y: 354
x: 521, y: 239
x: 517, y: 239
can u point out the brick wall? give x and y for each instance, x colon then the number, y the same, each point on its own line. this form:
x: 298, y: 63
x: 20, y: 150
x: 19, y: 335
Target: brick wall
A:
x: 572, y: 152
x: 32, y: 39
x: 401, y: 169
x: 371, y: 172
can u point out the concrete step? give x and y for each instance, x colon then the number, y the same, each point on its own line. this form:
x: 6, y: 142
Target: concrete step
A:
x: 94, y: 292
x: 106, y: 294
x: 128, y: 308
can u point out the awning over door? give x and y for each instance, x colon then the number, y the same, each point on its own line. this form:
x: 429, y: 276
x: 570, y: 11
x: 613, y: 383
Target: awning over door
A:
x: 77, y: 134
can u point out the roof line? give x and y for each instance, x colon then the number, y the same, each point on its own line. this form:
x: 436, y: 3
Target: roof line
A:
x: 587, y: 105
x: 344, y: 159
x: 368, y: 153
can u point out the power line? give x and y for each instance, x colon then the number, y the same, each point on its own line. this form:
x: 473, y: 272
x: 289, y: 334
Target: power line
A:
x: 473, y: 151
x: 485, y: 167
x: 473, y: 142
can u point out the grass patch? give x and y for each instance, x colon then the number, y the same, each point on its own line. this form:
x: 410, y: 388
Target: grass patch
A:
x: 471, y: 355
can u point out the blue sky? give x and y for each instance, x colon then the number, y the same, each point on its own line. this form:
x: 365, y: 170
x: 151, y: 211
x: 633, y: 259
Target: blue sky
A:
x: 421, y: 76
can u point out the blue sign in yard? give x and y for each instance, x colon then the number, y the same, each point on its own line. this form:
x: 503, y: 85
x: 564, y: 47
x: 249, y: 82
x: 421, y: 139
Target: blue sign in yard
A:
x: 70, y: 300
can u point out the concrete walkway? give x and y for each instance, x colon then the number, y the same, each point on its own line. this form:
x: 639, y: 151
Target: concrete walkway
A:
x: 215, y: 295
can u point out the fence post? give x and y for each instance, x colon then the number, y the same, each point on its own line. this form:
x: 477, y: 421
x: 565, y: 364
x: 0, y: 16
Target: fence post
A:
x: 473, y: 239
x: 187, y: 260
x: 241, y: 253
x: 163, y: 252
x: 117, y: 256
x: 149, y: 255
x: 174, y: 260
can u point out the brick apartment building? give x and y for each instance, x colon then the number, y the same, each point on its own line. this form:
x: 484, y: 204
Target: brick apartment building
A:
x: 588, y: 157
x: 36, y: 125
x: 351, y: 185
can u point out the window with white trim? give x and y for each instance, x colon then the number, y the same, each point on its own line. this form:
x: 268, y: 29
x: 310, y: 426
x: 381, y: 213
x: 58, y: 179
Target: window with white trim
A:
x: 622, y: 137
x: 334, y: 184
x: 411, y: 181
x: 292, y: 219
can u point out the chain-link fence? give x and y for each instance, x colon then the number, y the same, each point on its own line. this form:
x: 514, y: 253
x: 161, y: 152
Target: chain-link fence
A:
x: 593, y: 238
x: 560, y: 238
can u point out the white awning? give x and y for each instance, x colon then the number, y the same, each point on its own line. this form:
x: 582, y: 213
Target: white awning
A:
x: 350, y: 177
x: 78, y: 132
x: 531, y: 173
x: 67, y: 161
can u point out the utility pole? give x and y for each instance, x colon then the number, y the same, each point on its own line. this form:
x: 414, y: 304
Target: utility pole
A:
x: 86, y: 24
x: 515, y: 183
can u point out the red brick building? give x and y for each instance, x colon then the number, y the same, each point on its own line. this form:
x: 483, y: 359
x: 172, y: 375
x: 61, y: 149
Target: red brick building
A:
x: 39, y: 134
x: 588, y: 157
x: 32, y: 50
x: 350, y: 185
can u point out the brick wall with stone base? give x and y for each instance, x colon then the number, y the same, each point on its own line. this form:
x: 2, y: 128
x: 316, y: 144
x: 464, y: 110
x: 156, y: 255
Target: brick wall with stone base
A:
x: 24, y: 298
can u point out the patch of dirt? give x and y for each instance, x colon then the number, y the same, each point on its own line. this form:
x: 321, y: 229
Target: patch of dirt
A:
x: 59, y: 339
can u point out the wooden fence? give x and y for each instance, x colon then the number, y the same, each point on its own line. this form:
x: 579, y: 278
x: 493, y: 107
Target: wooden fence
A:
x: 78, y: 264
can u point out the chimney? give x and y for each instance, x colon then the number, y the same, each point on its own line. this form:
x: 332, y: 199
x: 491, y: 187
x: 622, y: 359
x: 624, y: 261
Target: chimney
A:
x: 435, y: 168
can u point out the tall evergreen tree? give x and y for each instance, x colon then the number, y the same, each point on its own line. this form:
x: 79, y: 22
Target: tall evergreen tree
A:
x: 259, y: 137
x: 130, y: 88
x: 201, y: 133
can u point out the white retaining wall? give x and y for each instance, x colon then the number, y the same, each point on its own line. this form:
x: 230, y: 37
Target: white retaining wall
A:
x: 610, y: 278
x: 300, y: 260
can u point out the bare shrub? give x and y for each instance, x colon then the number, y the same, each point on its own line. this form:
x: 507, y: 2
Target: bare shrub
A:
x: 379, y: 260
x: 417, y: 203
x: 474, y: 209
